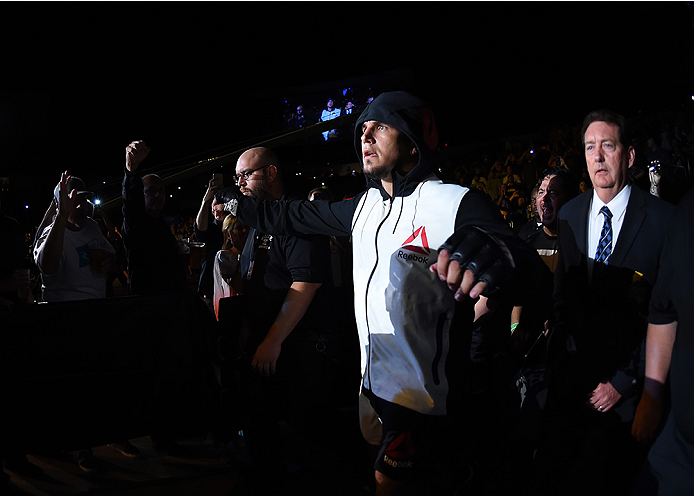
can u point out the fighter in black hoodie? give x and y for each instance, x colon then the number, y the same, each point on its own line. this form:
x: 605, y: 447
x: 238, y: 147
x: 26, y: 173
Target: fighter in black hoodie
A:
x: 404, y: 222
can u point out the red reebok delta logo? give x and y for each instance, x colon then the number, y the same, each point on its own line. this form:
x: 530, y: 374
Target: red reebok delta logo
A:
x: 400, y: 454
x: 423, y: 244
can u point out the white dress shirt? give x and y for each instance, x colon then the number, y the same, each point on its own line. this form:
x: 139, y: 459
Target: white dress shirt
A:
x: 618, y: 207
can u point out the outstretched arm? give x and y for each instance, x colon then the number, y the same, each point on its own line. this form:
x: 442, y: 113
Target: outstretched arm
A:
x: 292, y: 217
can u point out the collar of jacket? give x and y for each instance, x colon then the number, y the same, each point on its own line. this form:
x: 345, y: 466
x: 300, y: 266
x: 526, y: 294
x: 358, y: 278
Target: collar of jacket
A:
x: 403, y: 185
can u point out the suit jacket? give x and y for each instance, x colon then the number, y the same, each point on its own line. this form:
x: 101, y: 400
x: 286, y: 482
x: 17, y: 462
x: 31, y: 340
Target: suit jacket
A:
x: 601, y: 318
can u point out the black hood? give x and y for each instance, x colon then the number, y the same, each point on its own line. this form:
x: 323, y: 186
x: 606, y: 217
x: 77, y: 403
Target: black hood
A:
x: 411, y: 116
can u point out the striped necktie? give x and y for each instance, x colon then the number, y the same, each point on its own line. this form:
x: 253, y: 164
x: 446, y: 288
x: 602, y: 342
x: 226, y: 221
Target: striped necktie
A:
x: 605, y: 245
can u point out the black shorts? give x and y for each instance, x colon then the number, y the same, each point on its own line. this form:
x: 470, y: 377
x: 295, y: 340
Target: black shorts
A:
x: 409, y: 442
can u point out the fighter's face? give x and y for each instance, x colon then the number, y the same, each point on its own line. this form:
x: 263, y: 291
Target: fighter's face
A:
x: 384, y: 148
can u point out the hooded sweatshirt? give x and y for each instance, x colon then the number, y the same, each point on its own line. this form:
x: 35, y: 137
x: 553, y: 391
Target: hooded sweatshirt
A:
x: 404, y: 313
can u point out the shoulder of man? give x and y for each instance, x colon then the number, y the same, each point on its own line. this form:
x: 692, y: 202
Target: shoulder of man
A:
x: 653, y: 203
x: 576, y: 205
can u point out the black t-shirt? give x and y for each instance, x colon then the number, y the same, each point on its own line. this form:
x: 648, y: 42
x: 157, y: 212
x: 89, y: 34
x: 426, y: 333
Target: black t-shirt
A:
x: 154, y: 263
x: 269, y: 266
x: 547, y: 247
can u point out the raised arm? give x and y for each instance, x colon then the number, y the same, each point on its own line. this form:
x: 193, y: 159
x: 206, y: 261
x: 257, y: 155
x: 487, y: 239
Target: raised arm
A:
x: 50, y: 250
x: 47, y: 219
x: 202, y: 219
x: 135, y: 153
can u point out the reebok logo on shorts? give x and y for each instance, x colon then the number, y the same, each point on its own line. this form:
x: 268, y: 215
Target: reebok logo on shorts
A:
x: 400, y: 453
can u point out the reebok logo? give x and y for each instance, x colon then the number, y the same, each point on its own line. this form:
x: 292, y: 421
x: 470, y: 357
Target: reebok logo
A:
x: 416, y: 243
x: 397, y: 464
x: 400, y: 453
x: 413, y: 257
x: 422, y: 246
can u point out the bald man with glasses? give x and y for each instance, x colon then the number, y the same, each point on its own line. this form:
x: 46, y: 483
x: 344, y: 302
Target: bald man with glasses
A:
x: 285, y: 280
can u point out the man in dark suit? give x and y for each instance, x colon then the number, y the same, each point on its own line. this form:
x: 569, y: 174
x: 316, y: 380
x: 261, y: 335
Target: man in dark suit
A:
x: 608, y: 262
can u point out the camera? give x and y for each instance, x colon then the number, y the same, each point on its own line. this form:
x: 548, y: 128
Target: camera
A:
x: 654, y: 166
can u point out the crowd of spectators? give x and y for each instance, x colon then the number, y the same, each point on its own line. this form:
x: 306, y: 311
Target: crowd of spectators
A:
x: 183, y: 228
x: 302, y: 112
x: 507, y: 170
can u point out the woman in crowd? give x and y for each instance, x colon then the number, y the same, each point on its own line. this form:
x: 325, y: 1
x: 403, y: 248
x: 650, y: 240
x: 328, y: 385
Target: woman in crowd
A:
x: 227, y: 267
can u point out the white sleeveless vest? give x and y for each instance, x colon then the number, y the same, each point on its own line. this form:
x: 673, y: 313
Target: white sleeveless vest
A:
x: 403, y: 310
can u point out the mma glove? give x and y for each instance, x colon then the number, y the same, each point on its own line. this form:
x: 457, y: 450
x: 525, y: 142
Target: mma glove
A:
x: 484, y: 254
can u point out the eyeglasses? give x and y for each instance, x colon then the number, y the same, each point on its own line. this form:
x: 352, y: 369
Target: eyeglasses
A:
x: 246, y: 174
